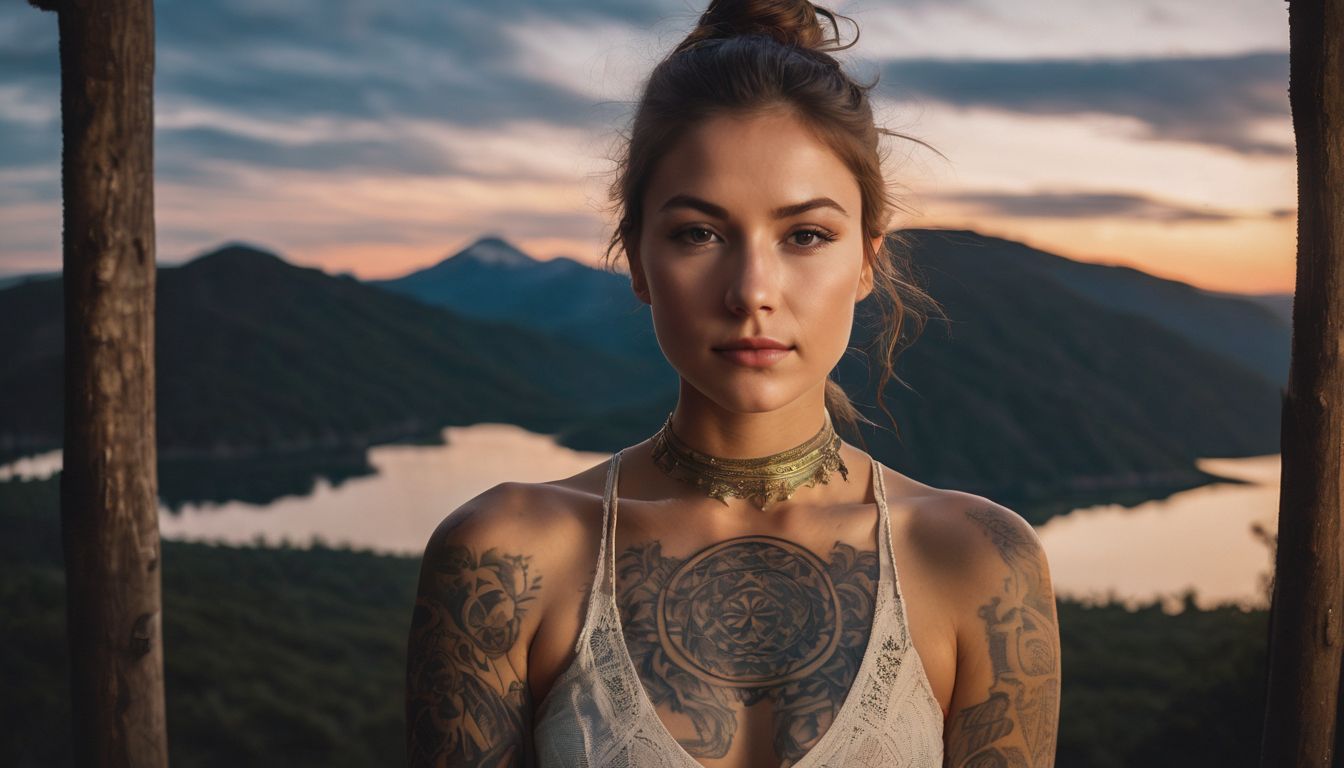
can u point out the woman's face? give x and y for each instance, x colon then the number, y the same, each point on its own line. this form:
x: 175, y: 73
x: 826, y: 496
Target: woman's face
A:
x: 752, y: 228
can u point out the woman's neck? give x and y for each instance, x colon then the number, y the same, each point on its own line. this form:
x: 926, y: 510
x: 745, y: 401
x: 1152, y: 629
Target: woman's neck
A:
x: 713, y: 430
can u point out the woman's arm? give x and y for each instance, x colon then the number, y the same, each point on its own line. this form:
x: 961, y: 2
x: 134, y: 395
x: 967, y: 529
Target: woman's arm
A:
x: 1005, y: 705
x: 467, y: 696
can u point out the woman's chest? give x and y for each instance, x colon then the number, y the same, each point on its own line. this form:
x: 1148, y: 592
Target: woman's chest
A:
x: 747, y: 649
x: 750, y: 646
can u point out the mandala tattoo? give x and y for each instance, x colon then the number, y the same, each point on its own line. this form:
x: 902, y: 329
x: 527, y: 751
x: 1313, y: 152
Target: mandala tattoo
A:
x: 466, y: 704
x: 1017, y: 725
x: 745, y: 620
x: 750, y: 612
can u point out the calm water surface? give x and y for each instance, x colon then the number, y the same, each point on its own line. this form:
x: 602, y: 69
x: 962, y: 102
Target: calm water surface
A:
x: 1200, y: 539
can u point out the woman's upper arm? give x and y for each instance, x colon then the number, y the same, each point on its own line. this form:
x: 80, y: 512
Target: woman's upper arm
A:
x: 1005, y: 704
x: 467, y: 697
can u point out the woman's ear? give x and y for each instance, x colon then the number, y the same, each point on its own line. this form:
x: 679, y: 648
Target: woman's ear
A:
x: 866, y: 276
x: 638, y: 283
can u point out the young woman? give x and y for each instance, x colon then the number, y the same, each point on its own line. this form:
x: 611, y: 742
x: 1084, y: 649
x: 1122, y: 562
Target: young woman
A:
x: 726, y: 592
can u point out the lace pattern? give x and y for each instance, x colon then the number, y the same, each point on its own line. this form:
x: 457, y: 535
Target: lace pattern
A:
x: 597, y: 714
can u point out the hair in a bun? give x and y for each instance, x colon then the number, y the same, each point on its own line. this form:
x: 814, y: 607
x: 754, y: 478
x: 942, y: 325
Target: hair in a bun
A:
x: 790, y: 22
x: 755, y: 55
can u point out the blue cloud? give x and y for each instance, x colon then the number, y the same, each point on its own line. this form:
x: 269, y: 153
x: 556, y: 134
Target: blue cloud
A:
x: 1077, y: 205
x: 1212, y: 100
x: 454, y: 63
x: 400, y: 156
x: 362, y: 62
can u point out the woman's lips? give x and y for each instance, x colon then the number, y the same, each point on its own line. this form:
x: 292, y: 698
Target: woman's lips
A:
x: 754, y: 358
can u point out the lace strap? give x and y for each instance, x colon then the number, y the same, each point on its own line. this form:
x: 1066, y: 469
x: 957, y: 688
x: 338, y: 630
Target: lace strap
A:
x: 601, y: 570
x: 880, y: 493
x: 884, y: 515
x: 614, y: 495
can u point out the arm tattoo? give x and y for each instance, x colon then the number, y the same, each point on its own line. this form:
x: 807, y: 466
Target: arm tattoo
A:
x: 466, y: 703
x: 744, y: 620
x: 1017, y: 725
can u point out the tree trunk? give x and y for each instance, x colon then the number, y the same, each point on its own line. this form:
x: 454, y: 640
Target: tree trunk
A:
x: 1305, y: 628
x: 109, y: 483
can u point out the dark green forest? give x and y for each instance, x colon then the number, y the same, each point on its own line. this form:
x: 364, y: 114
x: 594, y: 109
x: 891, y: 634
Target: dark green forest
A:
x: 289, y: 656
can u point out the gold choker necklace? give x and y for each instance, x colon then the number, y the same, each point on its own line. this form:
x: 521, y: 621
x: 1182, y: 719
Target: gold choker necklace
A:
x: 761, y: 480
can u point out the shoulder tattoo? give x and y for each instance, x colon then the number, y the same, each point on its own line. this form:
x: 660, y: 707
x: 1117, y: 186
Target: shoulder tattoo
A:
x: 1017, y: 723
x: 466, y: 702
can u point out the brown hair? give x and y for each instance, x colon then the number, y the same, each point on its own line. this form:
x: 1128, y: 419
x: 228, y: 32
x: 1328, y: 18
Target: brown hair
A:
x: 758, y: 55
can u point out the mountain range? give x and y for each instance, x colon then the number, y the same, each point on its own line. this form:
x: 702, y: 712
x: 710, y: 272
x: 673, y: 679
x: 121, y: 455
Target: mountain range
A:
x: 1048, y: 379
x: 492, y: 279
x: 255, y: 354
x: 563, y: 298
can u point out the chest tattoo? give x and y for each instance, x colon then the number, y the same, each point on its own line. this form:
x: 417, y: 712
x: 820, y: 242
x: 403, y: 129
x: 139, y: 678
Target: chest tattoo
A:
x: 745, y: 620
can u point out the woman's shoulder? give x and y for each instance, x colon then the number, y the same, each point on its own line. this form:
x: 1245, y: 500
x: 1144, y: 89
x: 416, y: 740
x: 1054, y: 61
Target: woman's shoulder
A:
x: 531, y: 519
x: 968, y: 541
x: 493, y: 570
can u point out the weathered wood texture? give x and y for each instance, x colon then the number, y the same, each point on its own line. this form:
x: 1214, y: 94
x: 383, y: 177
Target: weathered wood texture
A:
x: 109, y: 484
x: 1308, y: 604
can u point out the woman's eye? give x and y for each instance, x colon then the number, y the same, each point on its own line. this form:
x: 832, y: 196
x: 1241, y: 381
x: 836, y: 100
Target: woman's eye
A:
x: 812, y: 238
x: 696, y: 235
x: 808, y: 239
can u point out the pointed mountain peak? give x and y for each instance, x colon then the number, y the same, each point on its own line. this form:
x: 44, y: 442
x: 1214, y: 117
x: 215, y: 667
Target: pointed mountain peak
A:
x: 495, y: 251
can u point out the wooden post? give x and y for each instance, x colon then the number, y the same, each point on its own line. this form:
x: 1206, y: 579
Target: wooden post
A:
x: 1308, y: 609
x: 109, y: 483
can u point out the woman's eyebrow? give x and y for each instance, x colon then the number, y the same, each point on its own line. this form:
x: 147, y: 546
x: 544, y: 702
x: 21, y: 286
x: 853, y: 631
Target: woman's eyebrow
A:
x: 783, y: 212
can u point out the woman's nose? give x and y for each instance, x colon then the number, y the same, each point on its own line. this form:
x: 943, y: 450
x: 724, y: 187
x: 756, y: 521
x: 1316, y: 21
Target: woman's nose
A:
x: 753, y: 280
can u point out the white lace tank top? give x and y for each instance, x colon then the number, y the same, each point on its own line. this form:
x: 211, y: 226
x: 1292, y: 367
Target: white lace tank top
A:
x: 597, y: 713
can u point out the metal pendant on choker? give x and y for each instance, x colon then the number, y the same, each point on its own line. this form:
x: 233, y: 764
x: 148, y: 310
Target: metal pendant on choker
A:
x: 763, y: 480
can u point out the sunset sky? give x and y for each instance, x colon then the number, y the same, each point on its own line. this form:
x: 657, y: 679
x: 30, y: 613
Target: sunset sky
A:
x: 376, y: 137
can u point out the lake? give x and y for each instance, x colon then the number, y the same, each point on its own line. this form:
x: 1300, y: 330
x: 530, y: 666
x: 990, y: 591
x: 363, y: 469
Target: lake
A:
x: 1202, y: 539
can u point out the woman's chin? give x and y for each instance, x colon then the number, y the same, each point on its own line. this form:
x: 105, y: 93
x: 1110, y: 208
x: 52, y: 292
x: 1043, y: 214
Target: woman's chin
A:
x: 751, y: 398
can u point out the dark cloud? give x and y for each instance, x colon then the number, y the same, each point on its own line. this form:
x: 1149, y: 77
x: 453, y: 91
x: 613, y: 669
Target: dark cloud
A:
x: 32, y: 149
x: 1082, y: 205
x: 35, y: 189
x: 455, y: 63
x: 1207, y: 100
x: 400, y: 156
x: 358, y: 58
x: 466, y: 96
x: 446, y: 61
x: 335, y: 59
